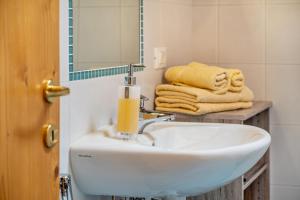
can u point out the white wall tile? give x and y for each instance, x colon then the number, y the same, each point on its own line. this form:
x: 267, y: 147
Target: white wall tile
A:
x: 152, y: 30
x: 281, y: 192
x: 242, y: 34
x: 283, y: 34
x: 204, y: 34
x: 283, y: 86
x: 285, y: 162
x: 204, y: 2
x: 239, y: 2
x: 176, y: 26
x: 282, y: 1
x: 177, y: 2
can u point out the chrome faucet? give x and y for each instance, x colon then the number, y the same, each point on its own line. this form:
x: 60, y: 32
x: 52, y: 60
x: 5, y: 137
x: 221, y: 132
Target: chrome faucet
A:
x: 148, y: 117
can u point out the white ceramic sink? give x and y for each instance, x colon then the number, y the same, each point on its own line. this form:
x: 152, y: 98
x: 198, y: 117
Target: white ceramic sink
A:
x: 188, y: 159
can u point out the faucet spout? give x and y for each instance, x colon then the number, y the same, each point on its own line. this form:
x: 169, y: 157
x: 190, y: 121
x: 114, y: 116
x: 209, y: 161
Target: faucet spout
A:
x: 148, y: 117
x: 157, y: 117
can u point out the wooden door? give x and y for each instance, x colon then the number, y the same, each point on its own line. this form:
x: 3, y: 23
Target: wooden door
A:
x: 29, y: 53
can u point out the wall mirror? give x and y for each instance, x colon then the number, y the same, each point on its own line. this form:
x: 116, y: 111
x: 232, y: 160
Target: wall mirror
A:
x: 104, y: 37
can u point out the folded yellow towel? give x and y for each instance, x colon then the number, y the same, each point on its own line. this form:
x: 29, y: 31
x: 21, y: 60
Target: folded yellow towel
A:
x: 198, y: 95
x: 199, y: 75
x: 236, y: 80
x: 166, y: 105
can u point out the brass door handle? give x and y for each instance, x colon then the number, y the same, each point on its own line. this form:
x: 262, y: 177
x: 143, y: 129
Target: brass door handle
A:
x: 51, y: 91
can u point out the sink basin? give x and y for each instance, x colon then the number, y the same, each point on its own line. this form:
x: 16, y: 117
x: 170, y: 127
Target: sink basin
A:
x: 187, y: 159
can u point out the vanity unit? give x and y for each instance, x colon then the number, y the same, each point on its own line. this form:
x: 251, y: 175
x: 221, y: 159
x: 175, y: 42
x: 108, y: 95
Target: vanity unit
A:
x: 255, y: 184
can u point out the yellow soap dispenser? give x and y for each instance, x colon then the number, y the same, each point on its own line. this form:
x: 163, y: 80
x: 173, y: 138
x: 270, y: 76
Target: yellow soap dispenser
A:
x: 128, y: 106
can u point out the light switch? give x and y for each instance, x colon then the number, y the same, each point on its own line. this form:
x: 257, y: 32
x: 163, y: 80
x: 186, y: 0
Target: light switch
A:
x: 160, y: 57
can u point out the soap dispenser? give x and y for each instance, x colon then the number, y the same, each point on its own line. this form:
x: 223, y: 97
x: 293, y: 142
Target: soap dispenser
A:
x: 128, y: 106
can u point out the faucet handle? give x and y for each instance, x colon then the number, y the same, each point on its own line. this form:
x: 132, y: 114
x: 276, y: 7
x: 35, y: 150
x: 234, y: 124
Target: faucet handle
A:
x: 143, y: 98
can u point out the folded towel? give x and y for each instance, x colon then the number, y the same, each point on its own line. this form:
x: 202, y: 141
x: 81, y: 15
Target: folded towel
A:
x: 185, y: 107
x: 199, y: 75
x: 236, y: 80
x: 198, y: 95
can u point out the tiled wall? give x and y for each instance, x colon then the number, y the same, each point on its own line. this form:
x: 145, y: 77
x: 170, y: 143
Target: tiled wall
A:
x: 92, y: 102
x: 99, y: 38
x: 262, y: 37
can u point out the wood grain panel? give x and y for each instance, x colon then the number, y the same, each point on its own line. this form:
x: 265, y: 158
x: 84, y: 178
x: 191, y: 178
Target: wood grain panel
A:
x: 30, y: 50
x: 262, y: 184
x: 257, y: 191
x: 232, y: 191
x: 3, y: 145
x: 248, y: 175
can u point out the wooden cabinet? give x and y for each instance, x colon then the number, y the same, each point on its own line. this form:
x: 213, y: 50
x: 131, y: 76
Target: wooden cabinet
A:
x: 255, y: 184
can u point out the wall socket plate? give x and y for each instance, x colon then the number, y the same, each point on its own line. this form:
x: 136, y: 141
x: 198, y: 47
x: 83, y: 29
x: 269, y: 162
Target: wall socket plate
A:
x: 160, y: 57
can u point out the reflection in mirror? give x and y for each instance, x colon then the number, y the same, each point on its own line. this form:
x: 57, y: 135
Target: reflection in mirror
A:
x: 106, y: 33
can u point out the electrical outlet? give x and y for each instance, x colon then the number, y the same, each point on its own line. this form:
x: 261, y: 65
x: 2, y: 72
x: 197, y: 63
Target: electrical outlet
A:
x: 160, y: 57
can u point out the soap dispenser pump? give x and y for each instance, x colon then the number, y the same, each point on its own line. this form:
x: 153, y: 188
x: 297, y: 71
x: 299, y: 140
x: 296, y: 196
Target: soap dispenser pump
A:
x: 128, y: 105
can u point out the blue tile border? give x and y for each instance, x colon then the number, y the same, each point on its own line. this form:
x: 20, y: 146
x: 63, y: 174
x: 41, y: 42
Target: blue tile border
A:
x: 102, y: 72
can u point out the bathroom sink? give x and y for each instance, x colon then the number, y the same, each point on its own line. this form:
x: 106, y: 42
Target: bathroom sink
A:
x: 187, y: 159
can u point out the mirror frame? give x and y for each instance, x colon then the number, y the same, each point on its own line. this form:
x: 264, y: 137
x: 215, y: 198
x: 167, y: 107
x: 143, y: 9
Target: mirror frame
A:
x: 106, y: 71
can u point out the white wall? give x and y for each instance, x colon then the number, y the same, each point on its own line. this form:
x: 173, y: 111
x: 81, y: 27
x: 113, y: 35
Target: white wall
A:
x: 92, y: 103
x: 262, y: 37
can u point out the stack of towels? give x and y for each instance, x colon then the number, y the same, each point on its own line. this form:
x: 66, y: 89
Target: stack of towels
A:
x: 199, y: 89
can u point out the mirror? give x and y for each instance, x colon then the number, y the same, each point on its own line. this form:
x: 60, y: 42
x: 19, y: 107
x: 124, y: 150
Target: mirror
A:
x: 105, y: 33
